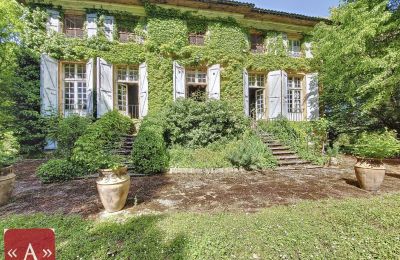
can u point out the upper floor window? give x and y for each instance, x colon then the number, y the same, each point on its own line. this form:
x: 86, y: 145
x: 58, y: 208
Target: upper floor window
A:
x: 196, y: 84
x: 73, y: 26
x: 197, y: 38
x: 256, y: 80
x: 294, y: 48
x: 127, y: 35
x: 294, y: 95
x: 257, y: 43
x: 75, y: 89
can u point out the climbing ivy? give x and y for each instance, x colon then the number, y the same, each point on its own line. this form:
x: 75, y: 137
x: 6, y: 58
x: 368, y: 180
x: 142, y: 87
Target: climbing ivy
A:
x: 166, y: 33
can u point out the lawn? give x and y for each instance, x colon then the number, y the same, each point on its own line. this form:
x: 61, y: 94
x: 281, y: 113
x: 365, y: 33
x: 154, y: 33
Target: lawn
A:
x: 353, y: 228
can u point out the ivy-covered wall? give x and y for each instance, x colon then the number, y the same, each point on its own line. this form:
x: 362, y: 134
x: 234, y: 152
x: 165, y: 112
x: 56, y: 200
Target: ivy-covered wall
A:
x: 166, y: 40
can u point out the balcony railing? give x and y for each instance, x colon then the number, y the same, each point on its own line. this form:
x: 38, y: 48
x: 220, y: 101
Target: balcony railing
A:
x: 258, y: 48
x: 295, y: 54
x: 125, y: 37
x: 74, y: 33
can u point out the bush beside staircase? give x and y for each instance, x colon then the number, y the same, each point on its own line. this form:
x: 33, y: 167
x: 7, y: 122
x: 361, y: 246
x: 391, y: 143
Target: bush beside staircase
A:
x: 287, y: 159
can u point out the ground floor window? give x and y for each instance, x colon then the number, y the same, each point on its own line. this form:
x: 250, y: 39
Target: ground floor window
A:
x: 196, y: 85
x: 127, y: 90
x: 294, y: 95
x: 75, y: 89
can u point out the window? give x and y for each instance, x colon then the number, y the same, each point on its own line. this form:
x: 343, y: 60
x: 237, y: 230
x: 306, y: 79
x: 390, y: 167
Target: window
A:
x: 256, y: 80
x: 127, y: 74
x: 75, y: 90
x: 197, y: 39
x: 126, y: 34
x: 122, y: 97
x: 294, y: 48
x: 73, y: 26
x: 257, y: 43
x: 294, y: 95
x: 196, y: 83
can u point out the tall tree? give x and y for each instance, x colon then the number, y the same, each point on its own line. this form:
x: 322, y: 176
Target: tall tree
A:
x: 360, y: 69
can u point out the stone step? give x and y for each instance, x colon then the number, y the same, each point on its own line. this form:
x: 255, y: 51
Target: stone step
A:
x: 274, y: 144
x: 291, y: 162
x: 280, y: 148
x: 297, y: 167
x: 287, y: 157
x: 284, y: 152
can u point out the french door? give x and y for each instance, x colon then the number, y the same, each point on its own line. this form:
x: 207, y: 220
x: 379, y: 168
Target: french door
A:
x: 260, y: 104
x: 122, y: 98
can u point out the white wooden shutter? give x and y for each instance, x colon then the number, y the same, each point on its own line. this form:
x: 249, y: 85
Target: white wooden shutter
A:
x: 143, y: 91
x: 104, y: 87
x: 308, y: 51
x: 109, y: 27
x: 89, y: 87
x: 53, y: 22
x: 214, y: 82
x: 285, y: 107
x: 246, y: 93
x: 312, y: 96
x: 179, y: 81
x: 91, y: 25
x: 274, y: 94
x: 48, y: 85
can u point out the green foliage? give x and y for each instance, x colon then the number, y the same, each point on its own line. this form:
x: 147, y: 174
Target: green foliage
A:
x: 66, y: 132
x: 308, y: 139
x: 58, y: 170
x: 150, y: 154
x: 252, y: 154
x: 197, y: 124
x: 94, y: 149
x: 9, y: 149
x: 359, y: 66
x: 365, y: 228
x: 377, y: 145
x: 213, y: 156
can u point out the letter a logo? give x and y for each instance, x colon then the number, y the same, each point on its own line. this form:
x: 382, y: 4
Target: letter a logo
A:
x: 30, y: 252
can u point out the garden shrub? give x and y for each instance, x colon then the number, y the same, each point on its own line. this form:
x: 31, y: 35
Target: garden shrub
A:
x: 94, y: 149
x: 192, y: 124
x: 9, y: 148
x: 150, y: 153
x: 66, y: 132
x: 58, y: 170
x: 251, y: 153
x: 308, y: 139
x: 377, y: 145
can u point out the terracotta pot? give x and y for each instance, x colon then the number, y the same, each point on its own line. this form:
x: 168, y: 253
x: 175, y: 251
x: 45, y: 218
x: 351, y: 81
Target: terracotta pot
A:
x: 370, y: 173
x: 113, y: 187
x: 7, y: 182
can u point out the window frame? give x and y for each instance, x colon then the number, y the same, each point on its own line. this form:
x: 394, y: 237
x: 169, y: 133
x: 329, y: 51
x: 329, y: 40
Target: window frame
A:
x: 79, y: 104
x: 125, y: 82
x: 74, y: 32
x: 196, y: 83
x: 264, y: 80
x: 259, y: 45
x: 197, y: 36
x: 291, y: 48
x: 295, y: 85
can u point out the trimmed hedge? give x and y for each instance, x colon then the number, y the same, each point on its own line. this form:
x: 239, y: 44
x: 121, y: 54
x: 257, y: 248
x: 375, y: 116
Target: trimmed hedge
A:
x: 58, y: 170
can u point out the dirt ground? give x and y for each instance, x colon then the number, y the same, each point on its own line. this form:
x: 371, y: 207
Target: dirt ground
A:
x: 248, y: 192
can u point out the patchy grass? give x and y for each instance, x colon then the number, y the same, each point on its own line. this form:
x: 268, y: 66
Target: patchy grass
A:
x: 351, y: 229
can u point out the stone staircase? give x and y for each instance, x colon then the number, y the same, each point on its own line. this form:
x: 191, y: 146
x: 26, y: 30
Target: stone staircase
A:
x: 287, y: 159
x: 125, y: 150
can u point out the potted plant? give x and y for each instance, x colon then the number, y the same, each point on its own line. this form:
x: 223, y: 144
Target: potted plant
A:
x: 370, y: 149
x: 113, y: 183
x: 8, y: 153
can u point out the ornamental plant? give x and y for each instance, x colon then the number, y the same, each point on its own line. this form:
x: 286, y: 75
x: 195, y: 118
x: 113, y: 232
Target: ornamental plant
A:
x: 377, y: 145
x: 59, y: 170
x: 9, y: 148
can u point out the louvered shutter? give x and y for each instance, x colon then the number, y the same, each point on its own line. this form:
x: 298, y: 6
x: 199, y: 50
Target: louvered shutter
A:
x: 246, y: 93
x: 91, y: 25
x: 89, y: 87
x: 179, y: 81
x: 143, y: 91
x: 109, y: 27
x: 104, y: 87
x: 214, y: 82
x: 312, y: 96
x: 274, y: 94
x: 53, y: 22
x: 308, y: 50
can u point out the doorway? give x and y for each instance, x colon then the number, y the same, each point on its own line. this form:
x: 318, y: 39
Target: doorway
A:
x: 128, y: 99
x: 257, y: 103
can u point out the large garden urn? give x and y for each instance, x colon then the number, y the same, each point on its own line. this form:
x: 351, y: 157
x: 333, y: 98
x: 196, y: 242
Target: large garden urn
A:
x: 113, y: 187
x: 370, y: 173
x: 7, y: 182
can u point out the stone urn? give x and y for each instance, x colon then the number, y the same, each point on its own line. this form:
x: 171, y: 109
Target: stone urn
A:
x: 113, y: 187
x: 7, y: 182
x: 370, y: 173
